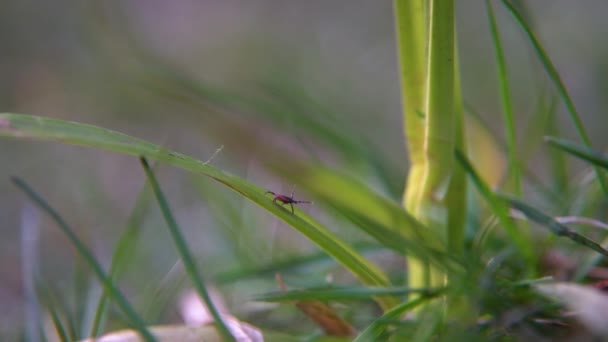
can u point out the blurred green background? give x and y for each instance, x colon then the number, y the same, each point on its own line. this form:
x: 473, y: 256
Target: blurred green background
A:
x: 317, y: 78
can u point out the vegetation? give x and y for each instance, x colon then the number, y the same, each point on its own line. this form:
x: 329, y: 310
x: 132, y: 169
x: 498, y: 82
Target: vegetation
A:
x: 480, y: 244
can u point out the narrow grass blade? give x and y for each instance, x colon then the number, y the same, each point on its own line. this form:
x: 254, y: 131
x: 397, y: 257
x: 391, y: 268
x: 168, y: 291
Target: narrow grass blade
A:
x: 51, y: 304
x: 554, y: 226
x: 33, y: 127
x: 340, y: 293
x: 557, y: 82
x: 507, y: 107
x: 109, y: 286
x: 376, y: 329
x: 583, y: 152
x: 521, y: 241
x: 122, y: 254
x: 186, y: 255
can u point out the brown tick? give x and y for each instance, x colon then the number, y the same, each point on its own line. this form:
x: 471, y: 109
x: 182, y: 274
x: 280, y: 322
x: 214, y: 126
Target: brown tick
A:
x: 284, y: 199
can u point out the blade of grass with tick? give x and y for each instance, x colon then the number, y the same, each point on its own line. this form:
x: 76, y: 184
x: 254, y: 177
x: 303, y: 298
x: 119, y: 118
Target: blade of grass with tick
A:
x: 376, y: 215
x: 109, y: 286
x: 122, y: 254
x: 557, y: 228
x: 524, y: 246
x: 340, y: 293
x: 184, y: 252
x: 33, y: 127
x: 557, y: 82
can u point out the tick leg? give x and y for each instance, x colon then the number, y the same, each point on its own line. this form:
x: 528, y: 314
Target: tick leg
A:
x: 291, y: 205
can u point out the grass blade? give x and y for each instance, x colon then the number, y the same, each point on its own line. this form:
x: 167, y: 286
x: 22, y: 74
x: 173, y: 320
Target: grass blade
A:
x: 583, y: 152
x: 340, y: 293
x: 109, y: 286
x: 557, y: 82
x: 521, y: 241
x: 507, y: 107
x: 27, y: 126
x: 185, y: 253
x: 554, y: 226
x: 51, y: 304
x: 375, y: 330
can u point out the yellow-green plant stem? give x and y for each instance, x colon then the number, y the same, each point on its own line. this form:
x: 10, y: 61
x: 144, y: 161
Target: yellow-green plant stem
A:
x: 434, y: 194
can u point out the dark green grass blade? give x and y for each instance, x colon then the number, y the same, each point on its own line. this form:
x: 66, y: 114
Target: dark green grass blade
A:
x: 507, y: 107
x: 558, y: 83
x: 51, y: 305
x: 109, y: 286
x: 33, y: 127
x: 521, y: 241
x: 554, y: 226
x: 376, y: 329
x: 580, y: 151
x: 122, y: 254
x: 184, y: 252
x: 340, y: 293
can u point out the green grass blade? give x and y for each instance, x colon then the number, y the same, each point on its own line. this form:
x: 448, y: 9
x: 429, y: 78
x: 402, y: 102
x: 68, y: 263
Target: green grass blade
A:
x: 51, y: 304
x: 109, y: 286
x: 583, y: 152
x: 340, y: 293
x: 33, y: 127
x: 554, y: 226
x: 521, y: 241
x: 376, y: 329
x: 184, y: 252
x: 514, y: 169
x: 122, y: 254
x: 557, y: 82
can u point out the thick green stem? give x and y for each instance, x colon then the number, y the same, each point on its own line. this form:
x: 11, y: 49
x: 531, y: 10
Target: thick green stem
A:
x: 435, y: 194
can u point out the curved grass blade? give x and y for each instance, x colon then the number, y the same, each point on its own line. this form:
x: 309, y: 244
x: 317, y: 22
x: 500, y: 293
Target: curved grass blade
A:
x: 109, y: 286
x: 557, y: 82
x: 27, y: 126
x: 554, y: 226
x: 340, y: 293
x: 185, y: 253
x: 521, y: 241
x: 381, y: 218
x: 376, y: 329
x: 352, y: 196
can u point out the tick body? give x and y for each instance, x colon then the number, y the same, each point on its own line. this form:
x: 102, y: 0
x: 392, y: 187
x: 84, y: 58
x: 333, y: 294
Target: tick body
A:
x: 284, y: 199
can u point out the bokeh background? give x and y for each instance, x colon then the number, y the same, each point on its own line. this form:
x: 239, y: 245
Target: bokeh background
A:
x: 317, y: 78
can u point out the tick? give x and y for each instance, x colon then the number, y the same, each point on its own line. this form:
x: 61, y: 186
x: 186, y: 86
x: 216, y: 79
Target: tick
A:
x: 284, y: 199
